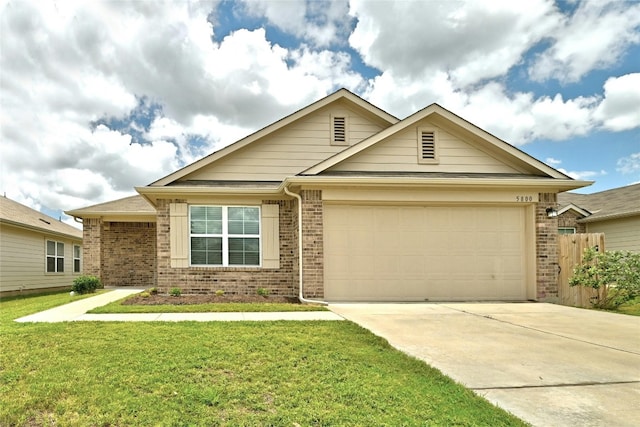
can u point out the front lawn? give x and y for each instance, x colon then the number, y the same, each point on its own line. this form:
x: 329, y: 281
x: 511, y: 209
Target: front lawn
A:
x: 119, y: 307
x: 240, y: 373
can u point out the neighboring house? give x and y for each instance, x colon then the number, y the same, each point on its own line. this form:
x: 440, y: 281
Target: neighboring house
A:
x: 37, y: 252
x: 615, y: 212
x: 341, y: 201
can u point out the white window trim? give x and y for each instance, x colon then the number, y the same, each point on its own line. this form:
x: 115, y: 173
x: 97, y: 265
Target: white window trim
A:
x: 226, y: 236
x: 567, y: 228
x: 56, y: 256
x: 436, y: 144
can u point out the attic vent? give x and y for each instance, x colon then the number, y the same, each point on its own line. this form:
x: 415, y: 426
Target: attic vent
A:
x: 339, y: 130
x: 427, y: 147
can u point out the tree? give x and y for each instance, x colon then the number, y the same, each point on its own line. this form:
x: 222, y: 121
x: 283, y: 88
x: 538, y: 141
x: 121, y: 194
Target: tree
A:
x: 615, y: 273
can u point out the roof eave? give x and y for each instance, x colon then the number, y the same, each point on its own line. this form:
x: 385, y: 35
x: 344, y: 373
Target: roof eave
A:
x: 597, y: 218
x: 39, y: 229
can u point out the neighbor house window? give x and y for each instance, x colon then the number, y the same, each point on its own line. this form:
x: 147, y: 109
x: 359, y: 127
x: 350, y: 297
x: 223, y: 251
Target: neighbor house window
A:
x: 55, y: 257
x: 76, y: 258
x: 427, y: 145
x: 566, y: 230
x: 225, y: 235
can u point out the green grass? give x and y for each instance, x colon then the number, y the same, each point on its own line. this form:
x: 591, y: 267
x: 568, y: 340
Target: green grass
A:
x: 118, y: 307
x: 631, y: 307
x: 208, y: 374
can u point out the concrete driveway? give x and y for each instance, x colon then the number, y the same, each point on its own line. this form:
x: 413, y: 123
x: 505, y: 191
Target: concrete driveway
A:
x: 547, y: 364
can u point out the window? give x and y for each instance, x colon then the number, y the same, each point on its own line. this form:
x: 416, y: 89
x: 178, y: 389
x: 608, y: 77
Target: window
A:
x: 427, y: 146
x: 76, y: 258
x: 225, y: 235
x: 566, y: 230
x: 339, y: 134
x: 55, y: 257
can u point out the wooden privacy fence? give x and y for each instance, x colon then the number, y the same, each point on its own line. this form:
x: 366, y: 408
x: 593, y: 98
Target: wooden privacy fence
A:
x: 570, y: 251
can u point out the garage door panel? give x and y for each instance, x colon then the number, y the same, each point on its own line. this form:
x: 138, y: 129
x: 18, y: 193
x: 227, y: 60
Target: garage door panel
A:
x: 421, y: 253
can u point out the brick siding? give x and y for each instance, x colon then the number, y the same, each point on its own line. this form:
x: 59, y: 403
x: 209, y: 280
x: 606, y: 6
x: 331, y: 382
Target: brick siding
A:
x: 546, y: 248
x: 120, y: 253
x: 312, y: 244
x: 569, y: 219
x: 232, y: 280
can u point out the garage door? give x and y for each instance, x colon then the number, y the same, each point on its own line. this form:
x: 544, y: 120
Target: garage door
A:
x: 435, y: 253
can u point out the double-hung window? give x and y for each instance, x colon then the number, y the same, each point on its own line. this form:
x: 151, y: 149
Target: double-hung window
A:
x: 225, y: 235
x: 55, y: 257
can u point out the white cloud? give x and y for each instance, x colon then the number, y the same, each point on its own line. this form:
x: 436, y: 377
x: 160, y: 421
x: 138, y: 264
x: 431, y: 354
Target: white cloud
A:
x: 594, y: 37
x: 553, y: 162
x: 583, y: 175
x: 472, y: 41
x: 319, y: 22
x: 629, y: 164
x: 620, y: 108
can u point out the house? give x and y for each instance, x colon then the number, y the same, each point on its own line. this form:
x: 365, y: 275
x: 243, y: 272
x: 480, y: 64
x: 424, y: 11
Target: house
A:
x: 615, y: 212
x: 341, y: 201
x: 37, y: 252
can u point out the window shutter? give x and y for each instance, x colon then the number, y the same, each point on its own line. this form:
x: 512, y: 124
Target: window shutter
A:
x: 428, y: 145
x: 270, y: 236
x: 179, y: 234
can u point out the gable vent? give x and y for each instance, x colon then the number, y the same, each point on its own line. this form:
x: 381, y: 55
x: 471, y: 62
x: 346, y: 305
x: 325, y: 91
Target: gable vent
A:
x: 428, y: 145
x: 339, y: 129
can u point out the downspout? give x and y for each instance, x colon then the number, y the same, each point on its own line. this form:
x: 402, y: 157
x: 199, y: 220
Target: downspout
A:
x: 301, y: 296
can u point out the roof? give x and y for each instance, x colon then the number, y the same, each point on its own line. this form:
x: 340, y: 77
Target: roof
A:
x: 615, y: 203
x: 341, y: 94
x: 14, y: 213
x: 133, y: 205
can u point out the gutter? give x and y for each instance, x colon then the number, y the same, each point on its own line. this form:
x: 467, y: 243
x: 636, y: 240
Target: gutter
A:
x: 300, y: 277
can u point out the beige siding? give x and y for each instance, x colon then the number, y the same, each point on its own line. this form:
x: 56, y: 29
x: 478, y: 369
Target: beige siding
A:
x: 23, y: 261
x: 621, y: 234
x: 291, y: 150
x: 400, y: 153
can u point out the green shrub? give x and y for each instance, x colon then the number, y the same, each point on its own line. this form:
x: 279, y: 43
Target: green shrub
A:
x: 263, y: 292
x: 153, y: 291
x: 145, y: 294
x: 85, y: 284
x: 615, y: 275
x: 175, y: 292
x: 219, y: 292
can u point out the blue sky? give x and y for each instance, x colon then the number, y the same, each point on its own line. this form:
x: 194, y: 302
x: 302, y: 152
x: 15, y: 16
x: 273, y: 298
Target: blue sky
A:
x: 98, y: 98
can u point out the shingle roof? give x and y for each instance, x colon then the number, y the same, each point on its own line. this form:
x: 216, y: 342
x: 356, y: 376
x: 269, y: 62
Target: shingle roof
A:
x: 617, y: 202
x: 12, y: 212
x: 128, y: 205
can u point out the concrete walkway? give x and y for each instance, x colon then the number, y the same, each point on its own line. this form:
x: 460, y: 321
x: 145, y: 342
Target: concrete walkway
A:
x: 547, y: 364
x: 77, y: 311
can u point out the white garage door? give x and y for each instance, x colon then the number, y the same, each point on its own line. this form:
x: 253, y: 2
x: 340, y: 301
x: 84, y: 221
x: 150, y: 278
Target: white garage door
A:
x: 443, y: 253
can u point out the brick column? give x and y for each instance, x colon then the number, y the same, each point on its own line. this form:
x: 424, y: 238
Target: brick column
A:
x: 92, y: 246
x: 546, y: 249
x: 312, y: 244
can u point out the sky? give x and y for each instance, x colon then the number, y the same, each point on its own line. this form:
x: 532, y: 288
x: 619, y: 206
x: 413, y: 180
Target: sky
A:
x: 98, y: 97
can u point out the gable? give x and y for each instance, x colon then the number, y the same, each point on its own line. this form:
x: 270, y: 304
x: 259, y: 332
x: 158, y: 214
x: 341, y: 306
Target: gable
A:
x: 274, y: 152
x: 295, y: 147
x: 428, y: 147
x: 465, y: 149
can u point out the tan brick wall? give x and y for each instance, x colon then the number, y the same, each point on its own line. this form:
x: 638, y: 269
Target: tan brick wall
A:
x: 546, y: 249
x: 120, y: 253
x: 129, y: 254
x: 92, y: 246
x: 232, y: 280
x: 569, y: 219
x: 312, y: 244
